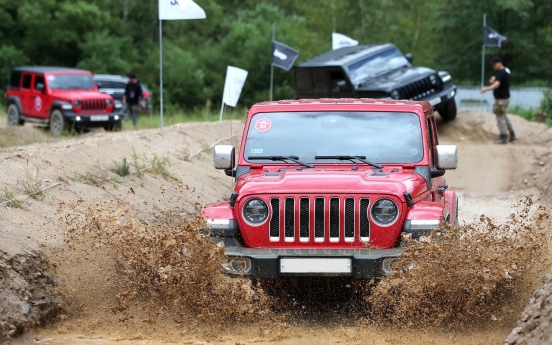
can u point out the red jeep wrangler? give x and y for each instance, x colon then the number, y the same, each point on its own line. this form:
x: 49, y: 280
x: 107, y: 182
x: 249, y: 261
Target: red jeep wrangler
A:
x: 326, y: 187
x: 59, y: 98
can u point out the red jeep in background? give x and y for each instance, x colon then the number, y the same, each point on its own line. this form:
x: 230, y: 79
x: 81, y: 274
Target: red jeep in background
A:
x: 59, y: 98
x: 326, y: 187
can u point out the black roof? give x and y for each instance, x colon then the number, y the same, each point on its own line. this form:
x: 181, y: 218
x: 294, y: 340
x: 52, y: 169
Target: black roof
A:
x: 343, y: 56
x: 46, y: 69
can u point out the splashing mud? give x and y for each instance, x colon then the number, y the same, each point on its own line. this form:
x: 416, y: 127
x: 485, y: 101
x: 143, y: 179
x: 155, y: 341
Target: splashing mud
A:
x: 465, y: 276
x: 173, y: 263
x: 161, y: 279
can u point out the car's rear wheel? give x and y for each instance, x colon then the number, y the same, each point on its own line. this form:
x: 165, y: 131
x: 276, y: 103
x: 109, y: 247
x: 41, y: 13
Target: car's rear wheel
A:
x: 58, y: 124
x: 14, y: 119
x: 448, y: 112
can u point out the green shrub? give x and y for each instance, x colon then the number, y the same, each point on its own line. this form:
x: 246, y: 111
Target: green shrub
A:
x: 122, y: 168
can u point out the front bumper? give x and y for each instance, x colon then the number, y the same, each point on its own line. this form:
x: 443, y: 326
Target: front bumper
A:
x: 275, y: 263
x: 440, y: 99
x: 93, y: 120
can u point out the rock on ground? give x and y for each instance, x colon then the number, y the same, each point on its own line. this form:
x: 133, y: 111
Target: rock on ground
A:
x: 27, y: 290
x: 534, y: 325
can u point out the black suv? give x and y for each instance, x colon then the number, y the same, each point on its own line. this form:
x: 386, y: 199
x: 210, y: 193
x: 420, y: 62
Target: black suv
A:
x: 114, y: 85
x: 374, y: 71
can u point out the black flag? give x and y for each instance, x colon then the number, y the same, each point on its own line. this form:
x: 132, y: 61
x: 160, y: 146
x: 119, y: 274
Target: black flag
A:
x: 491, y: 38
x: 283, y: 56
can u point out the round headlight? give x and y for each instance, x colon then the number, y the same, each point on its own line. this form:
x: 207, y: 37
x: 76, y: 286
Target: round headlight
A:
x: 385, y: 211
x: 108, y: 103
x: 433, y: 79
x: 255, y: 211
x: 77, y: 104
x: 395, y: 94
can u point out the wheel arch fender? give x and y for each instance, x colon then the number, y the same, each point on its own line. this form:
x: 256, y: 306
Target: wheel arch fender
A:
x: 59, y: 105
x: 425, y: 217
x: 15, y: 100
x: 451, y: 206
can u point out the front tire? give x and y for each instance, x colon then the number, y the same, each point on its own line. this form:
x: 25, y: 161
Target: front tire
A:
x: 448, y: 112
x: 116, y: 126
x: 58, y: 124
x: 14, y: 119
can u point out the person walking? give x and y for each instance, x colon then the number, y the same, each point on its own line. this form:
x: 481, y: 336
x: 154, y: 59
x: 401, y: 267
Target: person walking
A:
x: 500, y: 85
x: 133, y: 97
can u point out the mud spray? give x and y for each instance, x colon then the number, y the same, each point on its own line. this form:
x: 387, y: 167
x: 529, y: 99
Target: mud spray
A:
x: 127, y: 277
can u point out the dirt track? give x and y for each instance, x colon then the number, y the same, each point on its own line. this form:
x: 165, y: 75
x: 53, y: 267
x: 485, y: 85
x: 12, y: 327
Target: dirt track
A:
x: 490, y: 180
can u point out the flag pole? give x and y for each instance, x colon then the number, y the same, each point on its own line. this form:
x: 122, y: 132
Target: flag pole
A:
x: 271, y: 65
x: 161, y: 72
x: 483, y: 58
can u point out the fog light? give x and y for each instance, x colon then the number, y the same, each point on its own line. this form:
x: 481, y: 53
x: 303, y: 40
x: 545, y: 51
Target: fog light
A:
x: 387, y: 266
x: 452, y: 93
x: 237, y: 266
x: 116, y: 117
x: 78, y: 118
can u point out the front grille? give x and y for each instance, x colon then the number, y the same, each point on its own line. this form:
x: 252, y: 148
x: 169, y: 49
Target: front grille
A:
x: 275, y: 220
x: 94, y: 105
x: 319, y: 219
x: 420, y: 89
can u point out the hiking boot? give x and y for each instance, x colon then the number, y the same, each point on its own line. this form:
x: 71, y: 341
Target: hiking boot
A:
x: 512, y: 136
x: 503, y: 139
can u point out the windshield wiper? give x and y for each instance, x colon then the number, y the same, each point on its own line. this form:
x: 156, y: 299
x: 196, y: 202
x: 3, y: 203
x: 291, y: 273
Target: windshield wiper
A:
x: 350, y: 158
x: 281, y: 158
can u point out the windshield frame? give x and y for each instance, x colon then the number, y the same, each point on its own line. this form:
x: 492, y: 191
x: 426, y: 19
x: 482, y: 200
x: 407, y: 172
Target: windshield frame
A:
x: 48, y: 78
x: 260, y: 113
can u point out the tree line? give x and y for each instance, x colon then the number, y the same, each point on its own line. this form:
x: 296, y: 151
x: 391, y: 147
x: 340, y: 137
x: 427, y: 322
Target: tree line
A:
x: 119, y: 36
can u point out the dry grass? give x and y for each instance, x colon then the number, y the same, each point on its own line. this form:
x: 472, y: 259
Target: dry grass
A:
x: 22, y: 135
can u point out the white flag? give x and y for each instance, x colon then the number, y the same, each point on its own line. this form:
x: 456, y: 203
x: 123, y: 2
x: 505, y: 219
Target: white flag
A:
x: 180, y: 9
x: 235, y: 79
x: 340, y: 41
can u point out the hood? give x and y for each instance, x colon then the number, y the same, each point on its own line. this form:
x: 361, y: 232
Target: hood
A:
x: 79, y: 95
x: 394, y: 79
x: 393, y: 180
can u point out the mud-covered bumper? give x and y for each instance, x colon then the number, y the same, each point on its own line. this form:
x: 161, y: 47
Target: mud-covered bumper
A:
x: 275, y: 263
x: 440, y: 99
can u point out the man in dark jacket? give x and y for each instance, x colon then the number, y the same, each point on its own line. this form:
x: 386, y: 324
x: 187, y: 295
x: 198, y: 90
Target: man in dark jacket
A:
x: 133, y: 97
x: 500, y: 85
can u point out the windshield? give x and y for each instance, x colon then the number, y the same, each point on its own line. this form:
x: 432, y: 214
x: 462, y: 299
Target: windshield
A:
x: 382, y: 137
x: 70, y: 81
x: 376, y: 64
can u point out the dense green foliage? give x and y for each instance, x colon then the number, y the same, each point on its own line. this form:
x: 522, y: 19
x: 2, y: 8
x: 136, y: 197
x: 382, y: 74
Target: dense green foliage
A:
x: 118, y: 36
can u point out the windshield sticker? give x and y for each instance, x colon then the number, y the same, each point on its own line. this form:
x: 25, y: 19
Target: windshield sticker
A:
x: 414, y: 152
x: 263, y: 125
x: 50, y: 78
x: 257, y: 150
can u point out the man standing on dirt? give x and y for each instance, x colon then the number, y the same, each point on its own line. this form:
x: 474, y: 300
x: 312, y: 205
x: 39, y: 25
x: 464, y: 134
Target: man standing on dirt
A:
x: 500, y: 84
x: 133, y: 97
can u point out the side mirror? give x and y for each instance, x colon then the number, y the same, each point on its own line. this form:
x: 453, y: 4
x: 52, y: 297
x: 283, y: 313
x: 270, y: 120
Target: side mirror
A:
x: 224, y: 156
x: 40, y: 87
x: 409, y: 57
x: 447, y: 157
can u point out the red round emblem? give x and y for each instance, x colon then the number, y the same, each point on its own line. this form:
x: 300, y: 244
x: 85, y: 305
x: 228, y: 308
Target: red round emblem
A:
x: 263, y: 125
x: 38, y: 103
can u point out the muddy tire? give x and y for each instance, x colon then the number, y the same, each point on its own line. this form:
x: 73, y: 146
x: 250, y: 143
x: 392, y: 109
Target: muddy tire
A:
x: 58, y: 124
x: 448, y: 112
x: 14, y: 118
x: 116, y: 126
